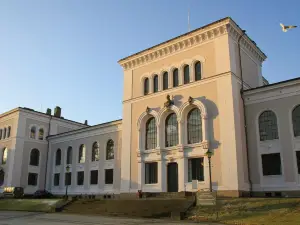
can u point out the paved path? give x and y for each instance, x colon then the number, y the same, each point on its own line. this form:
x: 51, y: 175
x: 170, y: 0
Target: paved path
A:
x: 24, y: 218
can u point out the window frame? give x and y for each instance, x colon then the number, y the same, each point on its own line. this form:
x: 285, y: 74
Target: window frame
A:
x: 80, y: 179
x: 175, y: 74
x: 268, y: 126
x: 171, y: 137
x: 186, y: 74
x: 56, y: 182
x: 194, y: 136
x: 165, y: 80
x: 41, y: 134
x: 68, y: 178
x: 35, y: 181
x: 110, y: 156
x: 150, y: 135
x: 81, y: 154
x: 8, y: 132
x: 58, y: 157
x: 32, y: 134
x: 146, y: 86
x: 95, y: 152
x: 296, y: 121
x: 200, y: 175
x: 195, y: 70
x: 271, y: 162
x: 95, y: 179
x: 31, y: 157
x: 4, y: 156
x: 151, y: 173
x: 109, y: 180
x: 155, y: 83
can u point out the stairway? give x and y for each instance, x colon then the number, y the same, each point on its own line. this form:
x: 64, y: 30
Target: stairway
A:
x: 206, y: 198
x: 146, y: 207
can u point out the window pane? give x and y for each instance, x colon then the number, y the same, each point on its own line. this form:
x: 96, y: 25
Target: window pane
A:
x: 151, y: 134
x: 80, y: 178
x: 268, y: 126
x: 175, y: 78
x: 155, y: 83
x: 296, y: 121
x: 95, y: 152
x: 146, y: 86
x: 4, y: 134
x: 34, y: 157
x: 166, y: 80
x: 32, y: 179
x: 8, y: 132
x: 32, y: 132
x: 171, y: 130
x: 109, y: 176
x: 81, y: 155
x: 186, y: 72
x: 198, y: 71
x: 56, y: 179
x: 194, y: 126
x: 151, y: 173
x: 58, y: 157
x: 195, y: 169
x: 68, y: 177
x: 41, y: 134
x: 271, y: 164
x: 69, y: 155
x: 94, y: 177
x: 110, y: 150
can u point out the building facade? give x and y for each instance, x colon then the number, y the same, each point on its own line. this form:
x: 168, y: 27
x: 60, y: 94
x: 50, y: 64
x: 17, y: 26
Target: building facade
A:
x: 181, y: 98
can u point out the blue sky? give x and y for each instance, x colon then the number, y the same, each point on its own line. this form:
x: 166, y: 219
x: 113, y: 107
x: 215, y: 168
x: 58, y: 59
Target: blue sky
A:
x: 65, y: 52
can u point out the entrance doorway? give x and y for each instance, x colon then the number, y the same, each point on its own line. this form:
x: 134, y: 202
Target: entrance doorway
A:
x: 172, y: 176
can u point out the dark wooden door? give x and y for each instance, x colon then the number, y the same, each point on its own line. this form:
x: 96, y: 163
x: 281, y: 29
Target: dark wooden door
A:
x: 172, y: 177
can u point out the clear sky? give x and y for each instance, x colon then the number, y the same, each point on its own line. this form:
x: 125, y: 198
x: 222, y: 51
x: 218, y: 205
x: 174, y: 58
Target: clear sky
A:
x: 65, y: 52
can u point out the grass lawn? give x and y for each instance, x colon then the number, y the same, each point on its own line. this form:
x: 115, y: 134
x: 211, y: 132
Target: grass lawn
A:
x: 250, y: 211
x: 31, y: 205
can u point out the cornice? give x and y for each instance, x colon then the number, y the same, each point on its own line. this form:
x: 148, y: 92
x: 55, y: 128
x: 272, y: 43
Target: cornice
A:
x: 190, y: 40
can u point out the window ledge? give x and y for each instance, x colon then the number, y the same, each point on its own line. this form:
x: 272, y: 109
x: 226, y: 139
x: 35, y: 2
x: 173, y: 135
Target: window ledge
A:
x: 203, y: 144
x: 151, y: 184
x: 276, y: 176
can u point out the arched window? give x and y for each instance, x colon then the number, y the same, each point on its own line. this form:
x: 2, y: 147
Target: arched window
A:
x: 155, y: 83
x: 4, y: 134
x: 0, y: 134
x: 58, y: 157
x: 8, y: 132
x: 69, y: 155
x: 171, y: 130
x: 4, y: 156
x: 296, y: 121
x: 146, y: 86
x: 32, y: 132
x: 95, y: 152
x: 198, y: 71
x: 186, y: 74
x: 110, y: 150
x: 41, y: 134
x: 165, y: 80
x: 81, y: 154
x: 268, y: 126
x: 194, y: 126
x: 34, y: 157
x: 150, y: 134
x: 175, y: 78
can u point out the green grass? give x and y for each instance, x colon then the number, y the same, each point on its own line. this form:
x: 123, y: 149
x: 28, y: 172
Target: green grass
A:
x: 31, y: 205
x: 250, y: 211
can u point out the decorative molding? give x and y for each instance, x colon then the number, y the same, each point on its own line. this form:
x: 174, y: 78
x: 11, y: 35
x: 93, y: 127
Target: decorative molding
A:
x: 191, y: 40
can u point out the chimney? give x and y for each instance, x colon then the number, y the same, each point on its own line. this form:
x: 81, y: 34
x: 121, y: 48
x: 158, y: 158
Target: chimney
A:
x: 85, y: 122
x: 48, y: 112
x: 57, y: 112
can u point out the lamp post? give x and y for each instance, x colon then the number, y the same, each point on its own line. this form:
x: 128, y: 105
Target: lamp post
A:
x: 209, y: 154
x: 67, y: 181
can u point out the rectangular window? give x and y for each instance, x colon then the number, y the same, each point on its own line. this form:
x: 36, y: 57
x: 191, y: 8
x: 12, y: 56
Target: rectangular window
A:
x: 68, y: 178
x: 80, y: 178
x: 195, y: 169
x: 298, y: 160
x: 56, y: 179
x: 151, y: 173
x: 32, y: 179
x: 94, y: 177
x: 271, y: 164
x: 109, y: 176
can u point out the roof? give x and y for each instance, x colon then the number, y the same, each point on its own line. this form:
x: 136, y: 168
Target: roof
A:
x: 186, y: 34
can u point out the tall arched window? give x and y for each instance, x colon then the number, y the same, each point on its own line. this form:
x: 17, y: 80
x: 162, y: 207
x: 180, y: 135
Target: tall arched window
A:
x: 4, y: 156
x: 197, y: 71
x: 0, y: 134
x: 175, y: 78
x: 268, y: 129
x: 34, y: 157
x: 8, y: 131
x: 81, y: 154
x: 155, y: 83
x: 296, y: 121
x: 32, y: 132
x: 165, y: 80
x: 150, y: 134
x: 146, y: 86
x: 171, y: 130
x: 4, y: 134
x: 186, y: 74
x: 41, y: 134
x: 69, y: 155
x: 58, y: 157
x: 110, y: 150
x: 194, y: 126
x: 95, y: 152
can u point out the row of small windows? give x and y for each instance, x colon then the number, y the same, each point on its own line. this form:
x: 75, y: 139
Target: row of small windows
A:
x: 194, y: 130
x: 268, y: 128
x: 5, y: 133
x: 33, y: 133
x: 82, y: 152
x: 109, y: 177
x: 175, y: 76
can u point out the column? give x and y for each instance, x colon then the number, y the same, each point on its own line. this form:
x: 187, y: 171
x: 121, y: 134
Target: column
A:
x: 141, y: 174
x: 205, y: 136
x: 162, y: 175
x: 192, y: 72
x: 180, y: 132
x: 182, y: 173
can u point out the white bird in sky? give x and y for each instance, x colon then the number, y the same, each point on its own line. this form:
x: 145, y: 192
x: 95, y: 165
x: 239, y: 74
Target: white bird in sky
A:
x: 286, y: 28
